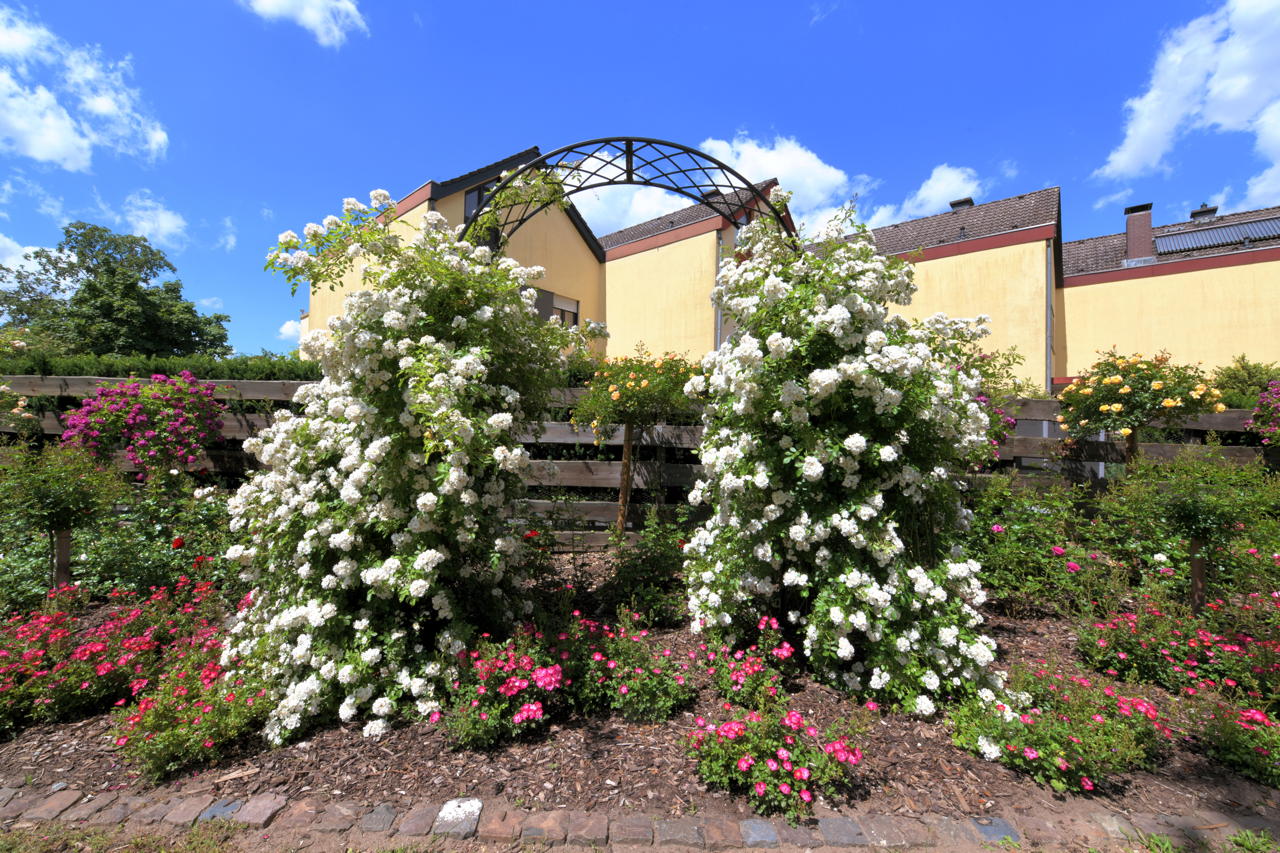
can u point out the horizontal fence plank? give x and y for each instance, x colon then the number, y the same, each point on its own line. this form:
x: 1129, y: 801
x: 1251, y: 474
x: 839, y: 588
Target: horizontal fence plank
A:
x: 84, y: 386
x: 663, y: 435
x: 1114, y: 451
x: 606, y: 475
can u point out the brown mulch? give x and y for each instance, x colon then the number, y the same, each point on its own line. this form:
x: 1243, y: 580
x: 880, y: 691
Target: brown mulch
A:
x: 910, y: 766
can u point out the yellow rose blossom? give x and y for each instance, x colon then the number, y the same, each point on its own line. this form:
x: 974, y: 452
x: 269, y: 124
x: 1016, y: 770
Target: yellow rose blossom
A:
x: 1125, y: 431
x: 1105, y: 407
x: 1126, y: 390
x: 1060, y: 418
x: 1168, y: 403
x: 615, y: 395
x: 1086, y: 390
x: 1063, y: 427
x: 1084, y: 422
x: 1157, y: 385
x: 1219, y: 407
x: 1117, y: 407
x: 644, y: 383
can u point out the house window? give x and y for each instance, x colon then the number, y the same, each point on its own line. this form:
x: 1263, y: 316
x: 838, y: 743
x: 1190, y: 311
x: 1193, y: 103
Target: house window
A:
x: 554, y: 305
x: 476, y: 196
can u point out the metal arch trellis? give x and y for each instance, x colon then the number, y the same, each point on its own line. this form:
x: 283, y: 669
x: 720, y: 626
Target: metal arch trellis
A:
x: 632, y: 161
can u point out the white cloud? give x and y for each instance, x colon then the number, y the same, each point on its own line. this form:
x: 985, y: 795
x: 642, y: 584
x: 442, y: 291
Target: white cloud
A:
x: 290, y: 331
x: 43, y: 202
x: 1113, y: 199
x: 147, y: 217
x: 1009, y: 168
x: 58, y: 102
x: 267, y: 213
x: 1220, y: 72
x: 213, y: 303
x: 819, y: 11
x: 228, y: 239
x: 945, y: 184
x: 12, y: 252
x: 328, y: 20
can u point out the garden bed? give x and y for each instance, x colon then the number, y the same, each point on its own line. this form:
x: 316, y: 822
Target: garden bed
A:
x: 910, y: 766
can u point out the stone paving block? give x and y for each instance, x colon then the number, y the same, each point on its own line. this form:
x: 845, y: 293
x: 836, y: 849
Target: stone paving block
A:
x: 757, y: 832
x: 119, y: 811
x: 419, y: 819
x: 547, y: 827
x: 299, y: 814
x: 842, y: 832
x: 6, y: 794
x: 883, y: 831
x: 499, y: 825
x: 223, y: 809
x: 679, y: 832
x: 338, y: 817
x: 798, y: 836
x: 948, y: 832
x: 378, y: 820
x: 260, y: 809
x: 53, y: 805
x: 85, y: 810
x: 18, y: 803
x: 458, y: 818
x: 154, y: 812
x: 1241, y: 821
x: 588, y: 829
x: 631, y: 830
x: 188, y: 809
x: 723, y: 834
x: 994, y: 829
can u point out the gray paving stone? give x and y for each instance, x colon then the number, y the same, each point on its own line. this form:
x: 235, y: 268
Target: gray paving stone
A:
x: 154, y: 812
x: 948, y: 832
x: 723, y: 835
x: 547, y: 827
x: 798, y: 836
x: 883, y: 831
x: 419, y: 820
x: 221, y: 810
x: 588, y: 829
x: 458, y: 818
x: 6, y: 794
x: 260, y: 810
x: 1114, y: 826
x: 53, y: 805
x: 85, y: 810
x: 300, y: 814
x: 499, y: 825
x: 18, y: 803
x: 758, y: 833
x: 842, y: 832
x: 187, y: 810
x: 679, y: 832
x: 631, y: 830
x: 119, y: 811
x: 338, y: 817
x: 378, y: 820
x: 994, y: 829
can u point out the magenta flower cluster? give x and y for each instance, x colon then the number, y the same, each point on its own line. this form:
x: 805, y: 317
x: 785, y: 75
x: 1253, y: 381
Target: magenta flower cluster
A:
x: 164, y: 424
x: 1266, y: 414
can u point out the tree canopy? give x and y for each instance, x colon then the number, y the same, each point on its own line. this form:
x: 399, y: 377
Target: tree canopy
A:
x: 98, y: 292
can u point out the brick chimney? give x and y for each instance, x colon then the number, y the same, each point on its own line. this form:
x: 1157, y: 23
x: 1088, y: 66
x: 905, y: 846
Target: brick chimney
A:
x: 1204, y: 211
x: 1139, y: 246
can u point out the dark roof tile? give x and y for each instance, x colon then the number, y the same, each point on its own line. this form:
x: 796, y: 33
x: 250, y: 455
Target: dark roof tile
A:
x: 967, y: 223
x: 675, y: 219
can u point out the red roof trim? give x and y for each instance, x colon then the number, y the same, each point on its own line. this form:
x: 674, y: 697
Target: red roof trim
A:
x: 1212, y: 262
x: 982, y: 244
x: 426, y: 192
x: 675, y: 235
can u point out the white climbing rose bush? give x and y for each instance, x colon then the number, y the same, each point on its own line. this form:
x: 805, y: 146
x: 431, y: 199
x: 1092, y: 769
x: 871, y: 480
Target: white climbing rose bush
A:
x: 377, y: 534
x: 833, y: 428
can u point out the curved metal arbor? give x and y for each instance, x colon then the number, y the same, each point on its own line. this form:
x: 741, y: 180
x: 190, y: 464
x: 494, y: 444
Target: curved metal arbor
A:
x: 634, y: 161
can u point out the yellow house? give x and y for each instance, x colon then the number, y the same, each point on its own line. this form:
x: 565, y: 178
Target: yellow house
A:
x: 1205, y: 289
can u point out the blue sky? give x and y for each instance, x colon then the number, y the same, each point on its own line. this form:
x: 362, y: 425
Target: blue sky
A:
x: 210, y: 127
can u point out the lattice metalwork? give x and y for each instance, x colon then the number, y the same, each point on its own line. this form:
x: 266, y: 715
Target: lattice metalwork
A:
x: 635, y: 161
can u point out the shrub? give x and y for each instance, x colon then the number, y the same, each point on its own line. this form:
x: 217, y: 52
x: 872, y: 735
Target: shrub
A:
x: 775, y: 757
x: 752, y: 677
x: 647, y: 577
x: 1245, y: 739
x: 639, y: 390
x: 839, y: 528
x: 1242, y: 381
x: 378, y: 533
x: 1121, y: 393
x: 159, y: 426
x: 1064, y: 729
x: 625, y: 674
x: 1265, y: 420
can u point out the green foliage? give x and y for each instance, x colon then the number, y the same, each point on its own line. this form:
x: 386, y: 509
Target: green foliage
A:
x: 1145, y: 519
x: 1242, y: 381
x: 1245, y: 739
x: 93, y: 293
x: 776, y: 758
x: 264, y: 366
x: 625, y: 674
x: 647, y: 571
x: 1064, y: 729
x: 638, y: 390
x: 1121, y: 393
x: 54, y: 489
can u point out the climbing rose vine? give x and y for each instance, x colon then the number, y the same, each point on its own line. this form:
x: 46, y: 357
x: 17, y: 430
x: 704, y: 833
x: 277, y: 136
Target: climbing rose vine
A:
x: 832, y: 429
x: 377, y: 533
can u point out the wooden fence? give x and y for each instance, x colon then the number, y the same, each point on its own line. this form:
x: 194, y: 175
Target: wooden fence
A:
x: 1036, y: 439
